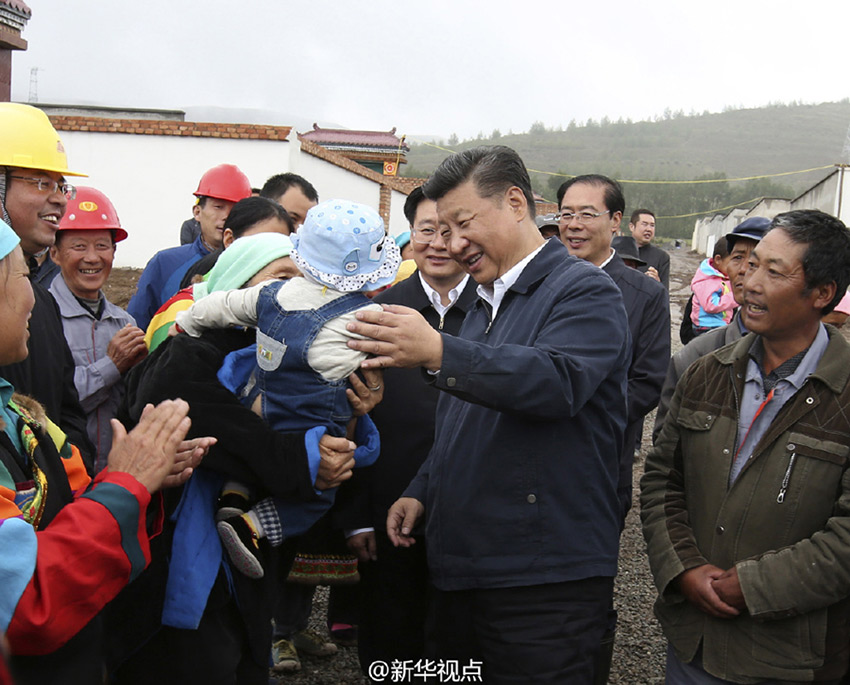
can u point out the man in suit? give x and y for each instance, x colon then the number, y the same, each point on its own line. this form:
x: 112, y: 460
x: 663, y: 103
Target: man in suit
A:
x: 642, y: 227
x: 590, y: 210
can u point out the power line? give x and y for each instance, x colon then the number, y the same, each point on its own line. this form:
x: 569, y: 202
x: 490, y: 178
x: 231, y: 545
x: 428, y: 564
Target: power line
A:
x: 647, y: 182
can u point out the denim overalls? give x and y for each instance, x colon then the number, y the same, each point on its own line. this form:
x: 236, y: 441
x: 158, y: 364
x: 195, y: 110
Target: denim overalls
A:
x: 295, y: 397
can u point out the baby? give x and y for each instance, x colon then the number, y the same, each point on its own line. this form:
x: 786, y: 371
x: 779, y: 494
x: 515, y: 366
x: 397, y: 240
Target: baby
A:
x: 299, y: 380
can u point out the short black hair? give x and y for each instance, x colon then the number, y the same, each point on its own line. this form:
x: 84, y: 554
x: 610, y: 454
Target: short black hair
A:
x: 827, y: 257
x: 613, y: 191
x: 492, y: 168
x: 278, y: 184
x: 636, y: 214
x: 251, y: 211
x: 411, y: 204
x: 721, y: 248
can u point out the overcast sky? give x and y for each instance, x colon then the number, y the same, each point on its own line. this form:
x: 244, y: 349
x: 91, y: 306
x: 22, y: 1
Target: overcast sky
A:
x: 436, y: 66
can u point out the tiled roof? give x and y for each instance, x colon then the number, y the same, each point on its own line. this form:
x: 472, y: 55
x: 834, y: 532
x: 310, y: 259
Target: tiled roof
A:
x: 396, y: 183
x: 338, y: 136
x: 163, y: 127
x: 19, y: 5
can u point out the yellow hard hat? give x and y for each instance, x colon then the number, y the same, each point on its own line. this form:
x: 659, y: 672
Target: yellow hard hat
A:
x: 405, y: 270
x: 29, y: 141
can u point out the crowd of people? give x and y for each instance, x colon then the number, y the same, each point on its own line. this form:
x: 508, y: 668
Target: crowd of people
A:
x: 441, y: 427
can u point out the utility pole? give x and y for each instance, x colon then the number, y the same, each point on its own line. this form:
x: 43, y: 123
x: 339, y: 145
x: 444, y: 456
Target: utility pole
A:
x: 34, y: 86
x: 845, y: 153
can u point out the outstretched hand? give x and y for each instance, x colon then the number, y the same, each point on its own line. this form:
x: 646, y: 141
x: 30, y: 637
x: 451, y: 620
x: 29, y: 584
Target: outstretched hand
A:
x: 400, y: 336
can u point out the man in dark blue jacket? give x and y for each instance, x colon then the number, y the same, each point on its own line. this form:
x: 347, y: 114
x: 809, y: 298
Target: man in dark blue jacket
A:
x: 591, y: 208
x: 394, y: 580
x: 519, y: 490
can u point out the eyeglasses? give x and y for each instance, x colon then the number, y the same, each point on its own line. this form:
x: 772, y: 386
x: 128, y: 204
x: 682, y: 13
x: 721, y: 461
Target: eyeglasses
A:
x: 50, y: 186
x: 581, y: 217
x: 424, y: 236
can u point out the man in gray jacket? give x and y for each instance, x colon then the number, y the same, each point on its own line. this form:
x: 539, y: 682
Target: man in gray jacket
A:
x: 746, y: 495
x: 740, y: 242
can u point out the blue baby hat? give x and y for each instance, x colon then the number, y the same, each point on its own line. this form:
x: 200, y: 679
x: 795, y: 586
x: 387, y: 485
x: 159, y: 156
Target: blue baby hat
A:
x: 343, y: 245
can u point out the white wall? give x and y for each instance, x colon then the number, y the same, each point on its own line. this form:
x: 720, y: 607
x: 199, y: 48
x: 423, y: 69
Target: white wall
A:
x: 150, y: 180
x: 398, y: 222
x: 823, y: 196
x: 333, y: 182
x: 831, y: 195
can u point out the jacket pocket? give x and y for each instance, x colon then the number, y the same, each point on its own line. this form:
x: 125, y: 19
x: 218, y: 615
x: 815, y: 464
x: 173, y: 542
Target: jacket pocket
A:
x: 793, y: 643
x: 696, y: 419
x: 826, y: 450
x: 269, y: 352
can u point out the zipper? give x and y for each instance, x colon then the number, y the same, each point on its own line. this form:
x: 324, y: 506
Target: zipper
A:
x: 737, y: 413
x: 442, y: 319
x: 780, y: 498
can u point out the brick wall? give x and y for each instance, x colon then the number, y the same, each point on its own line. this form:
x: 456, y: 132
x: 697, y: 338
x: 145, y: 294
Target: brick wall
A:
x: 153, y: 127
x: 384, y: 203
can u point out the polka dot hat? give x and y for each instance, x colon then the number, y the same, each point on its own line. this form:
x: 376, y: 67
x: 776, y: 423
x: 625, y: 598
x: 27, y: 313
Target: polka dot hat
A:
x: 343, y: 245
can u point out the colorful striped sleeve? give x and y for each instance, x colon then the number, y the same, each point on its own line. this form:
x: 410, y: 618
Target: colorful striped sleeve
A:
x: 160, y: 323
x: 92, y: 548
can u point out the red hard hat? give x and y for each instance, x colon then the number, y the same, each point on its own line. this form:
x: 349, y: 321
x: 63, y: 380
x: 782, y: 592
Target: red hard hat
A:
x: 225, y: 182
x: 91, y: 210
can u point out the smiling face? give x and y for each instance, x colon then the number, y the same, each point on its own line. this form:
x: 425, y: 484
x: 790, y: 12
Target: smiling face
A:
x: 483, y: 233
x: 777, y: 304
x: 588, y: 239
x: 16, y: 303
x: 33, y: 213
x: 85, y: 258
x: 212, y: 217
x: 432, y: 259
x: 643, y: 230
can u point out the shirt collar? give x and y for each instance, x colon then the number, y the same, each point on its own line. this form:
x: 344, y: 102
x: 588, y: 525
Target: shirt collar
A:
x: 794, y: 370
x: 494, y: 292
x: 434, y: 297
x: 610, y: 257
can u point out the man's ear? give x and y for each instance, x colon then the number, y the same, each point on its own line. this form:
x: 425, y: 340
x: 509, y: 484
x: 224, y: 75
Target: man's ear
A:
x: 227, y: 238
x: 517, y: 201
x: 196, y: 211
x: 825, y: 293
x: 54, y: 252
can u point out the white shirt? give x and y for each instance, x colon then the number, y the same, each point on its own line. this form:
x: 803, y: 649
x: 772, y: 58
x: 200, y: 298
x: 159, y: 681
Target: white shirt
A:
x: 611, y: 256
x: 494, y: 294
x: 436, y: 300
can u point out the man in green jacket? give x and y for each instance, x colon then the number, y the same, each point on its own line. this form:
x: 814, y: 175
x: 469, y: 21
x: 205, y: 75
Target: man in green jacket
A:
x: 746, y: 495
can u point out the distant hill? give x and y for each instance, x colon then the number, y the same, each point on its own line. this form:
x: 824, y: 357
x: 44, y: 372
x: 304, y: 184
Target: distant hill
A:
x: 735, y: 143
